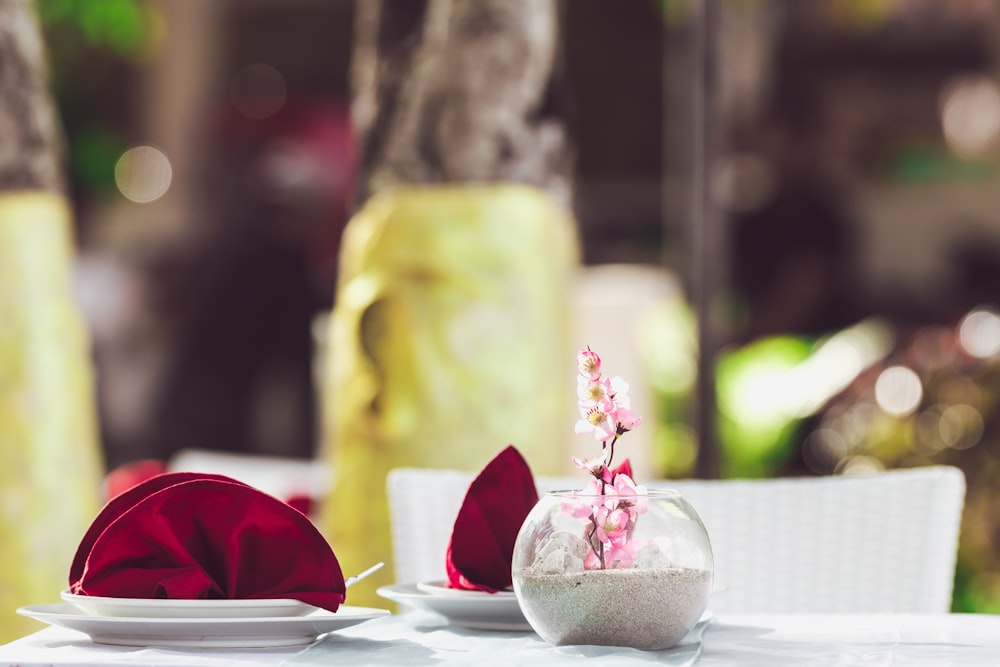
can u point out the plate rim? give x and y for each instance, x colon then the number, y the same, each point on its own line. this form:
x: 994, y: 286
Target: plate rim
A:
x: 410, y: 591
x: 69, y: 610
x: 92, y: 604
x: 438, y: 588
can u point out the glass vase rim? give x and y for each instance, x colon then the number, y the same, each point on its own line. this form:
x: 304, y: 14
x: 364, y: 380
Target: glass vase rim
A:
x: 658, y: 492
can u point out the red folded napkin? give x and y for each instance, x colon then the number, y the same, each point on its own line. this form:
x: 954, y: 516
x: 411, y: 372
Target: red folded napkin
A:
x: 482, y: 541
x: 195, y: 536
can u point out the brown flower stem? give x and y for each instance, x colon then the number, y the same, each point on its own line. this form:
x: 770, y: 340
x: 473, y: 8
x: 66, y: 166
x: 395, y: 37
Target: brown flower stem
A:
x: 596, y: 543
x: 611, y: 455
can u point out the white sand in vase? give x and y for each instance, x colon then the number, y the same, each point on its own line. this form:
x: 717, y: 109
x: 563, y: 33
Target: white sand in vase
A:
x: 641, y: 608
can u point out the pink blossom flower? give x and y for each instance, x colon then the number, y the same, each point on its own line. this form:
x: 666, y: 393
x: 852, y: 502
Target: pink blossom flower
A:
x: 597, y: 421
x: 582, y: 510
x: 589, y: 364
x: 613, y: 528
x: 622, y: 555
x: 630, y: 494
x: 594, y: 464
x: 592, y: 391
x: 627, y: 420
x: 611, y: 525
x: 625, y: 486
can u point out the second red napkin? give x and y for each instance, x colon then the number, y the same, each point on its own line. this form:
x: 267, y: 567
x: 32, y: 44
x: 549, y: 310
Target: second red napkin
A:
x: 482, y: 541
x: 196, y: 536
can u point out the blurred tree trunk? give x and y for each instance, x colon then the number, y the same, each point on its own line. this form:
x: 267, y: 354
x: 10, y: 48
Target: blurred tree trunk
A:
x: 450, y: 334
x: 50, y: 468
x: 456, y: 92
x: 30, y: 159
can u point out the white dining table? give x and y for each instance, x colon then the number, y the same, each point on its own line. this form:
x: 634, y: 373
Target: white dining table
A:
x: 422, y: 638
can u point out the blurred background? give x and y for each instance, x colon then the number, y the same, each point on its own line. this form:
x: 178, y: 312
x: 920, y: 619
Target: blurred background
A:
x: 211, y: 165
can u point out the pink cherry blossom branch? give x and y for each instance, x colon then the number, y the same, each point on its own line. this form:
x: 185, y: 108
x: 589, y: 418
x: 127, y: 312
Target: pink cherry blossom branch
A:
x: 605, y: 411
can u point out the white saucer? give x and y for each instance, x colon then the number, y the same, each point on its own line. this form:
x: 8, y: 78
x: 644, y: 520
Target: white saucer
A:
x: 255, y: 632
x: 468, y: 609
x: 149, y: 608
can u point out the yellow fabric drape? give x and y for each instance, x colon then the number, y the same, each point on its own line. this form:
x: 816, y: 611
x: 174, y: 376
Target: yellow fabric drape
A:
x: 449, y: 339
x: 50, y: 466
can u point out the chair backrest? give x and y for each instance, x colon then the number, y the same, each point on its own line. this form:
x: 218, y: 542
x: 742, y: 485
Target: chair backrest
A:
x: 884, y: 542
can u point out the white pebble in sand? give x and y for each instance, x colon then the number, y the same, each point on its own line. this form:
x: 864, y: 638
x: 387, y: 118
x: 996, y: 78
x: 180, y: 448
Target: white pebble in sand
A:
x: 641, y: 608
x: 564, y: 552
x: 651, y: 557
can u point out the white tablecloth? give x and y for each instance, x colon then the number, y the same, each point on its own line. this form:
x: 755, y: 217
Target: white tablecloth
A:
x: 419, y: 638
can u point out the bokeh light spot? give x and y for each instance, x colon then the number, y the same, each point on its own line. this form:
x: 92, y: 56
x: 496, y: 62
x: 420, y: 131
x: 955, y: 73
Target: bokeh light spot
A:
x: 898, y: 390
x: 961, y: 426
x: 970, y: 114
x: 979, y: 333
x: 143, y: 174
x: 858, y: 422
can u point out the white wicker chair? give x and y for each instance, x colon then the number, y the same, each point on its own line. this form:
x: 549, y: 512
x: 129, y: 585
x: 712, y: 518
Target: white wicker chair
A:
x: 884, y: 542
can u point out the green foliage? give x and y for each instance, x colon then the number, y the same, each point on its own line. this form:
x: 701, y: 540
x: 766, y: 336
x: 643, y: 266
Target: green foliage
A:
x: 755, y: 427
x: 93, y: 154
x: 122, y: 26
x: 920, y: 166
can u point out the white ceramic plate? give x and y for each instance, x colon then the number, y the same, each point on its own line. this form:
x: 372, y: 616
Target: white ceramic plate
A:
x: 469, y: 609
x: 148, y: 608
x: 201, y: 632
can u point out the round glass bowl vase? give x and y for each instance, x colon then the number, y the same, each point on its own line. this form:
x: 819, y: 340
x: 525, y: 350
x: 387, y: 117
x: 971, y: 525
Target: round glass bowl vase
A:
x: 613, y: 570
